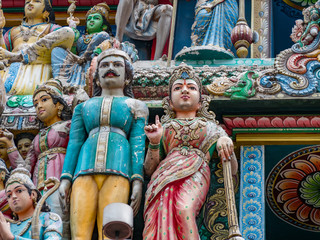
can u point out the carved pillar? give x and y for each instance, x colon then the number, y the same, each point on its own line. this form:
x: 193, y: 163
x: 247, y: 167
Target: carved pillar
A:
x: 261, y: 22
x: 252, y: 203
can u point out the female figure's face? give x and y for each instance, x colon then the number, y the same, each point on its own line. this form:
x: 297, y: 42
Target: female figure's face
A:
x: 24, y: 146
x: 46, y: 110
x: 34, y: 8
x: 185, y: 96
x: 3, y: 151
x: 94, y: 23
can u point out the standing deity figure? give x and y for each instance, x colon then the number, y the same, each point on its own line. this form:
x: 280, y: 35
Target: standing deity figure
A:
x: 71, y: 69
x: 46, y: 155
x: 178, y: 157
x: 105, y: 154
x: 144, y: 20
x: 23, y: 198
x: 27, y: 48
x: 214, y: 21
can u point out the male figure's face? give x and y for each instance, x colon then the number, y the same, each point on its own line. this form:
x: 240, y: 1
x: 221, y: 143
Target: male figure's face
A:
x: 94, y: 23
x: 112, y: 72
x: 34, y: 8
x: 19, y: 199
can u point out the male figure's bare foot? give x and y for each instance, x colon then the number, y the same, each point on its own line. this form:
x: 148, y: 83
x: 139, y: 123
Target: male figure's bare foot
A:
x: 11, y: 57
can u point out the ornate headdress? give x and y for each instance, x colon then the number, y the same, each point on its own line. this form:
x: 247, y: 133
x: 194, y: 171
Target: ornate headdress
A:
x: 52, y: 86
x: 101, y: 8
x: 3, y: 166
x: 22, y: 176
x: 115, y: 48
x: 184, y: 71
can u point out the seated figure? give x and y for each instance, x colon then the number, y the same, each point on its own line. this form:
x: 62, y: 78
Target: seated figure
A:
x: 27, y: 48
x: 23, y: 198
x: 144, y: 20
x: 70, y: 68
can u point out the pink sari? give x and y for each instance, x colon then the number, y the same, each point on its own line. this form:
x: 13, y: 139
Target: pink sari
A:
x: 179, y: 186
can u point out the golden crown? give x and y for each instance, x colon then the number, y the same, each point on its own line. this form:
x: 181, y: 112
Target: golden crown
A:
x: 101, y: 8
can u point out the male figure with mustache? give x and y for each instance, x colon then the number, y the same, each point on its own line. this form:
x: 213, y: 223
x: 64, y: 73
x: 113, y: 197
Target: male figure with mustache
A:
x: 105, y: 153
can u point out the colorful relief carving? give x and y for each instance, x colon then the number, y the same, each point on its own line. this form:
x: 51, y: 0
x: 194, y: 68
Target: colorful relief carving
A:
x: 252, y: 209
x: 71, y: 68
x: 244, y: 88
x: 32, y: 217
x: 144, y: 20
x: 27, y: 48
x: 272, y: 122
x: 297, y: 69
x: 177, y: 159
x: 293, y: 189
x: 105, y: 154
x: 211, y: 31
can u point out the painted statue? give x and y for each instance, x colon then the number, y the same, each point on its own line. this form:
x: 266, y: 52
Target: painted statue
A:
x: 178, y: 157
x: 46, y: 155
x: 23, y: 197
x: 27, y: 48
x: 23, y: 141
x: 214, y: 21
x: 4, y: 153
x: 105, y: 153
x: 4, y: 175
x: 71, y: 69
x: 144, y: 20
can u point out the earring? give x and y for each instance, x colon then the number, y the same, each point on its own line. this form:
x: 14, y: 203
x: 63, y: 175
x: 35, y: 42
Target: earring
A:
x: 126, y: 82
x: 34, y: 202
x: 60, y: 108
x: 45, y: 16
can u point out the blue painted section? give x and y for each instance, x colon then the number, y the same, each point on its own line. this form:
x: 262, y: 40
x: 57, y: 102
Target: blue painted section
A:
x: 184, y: 21
x: 284, y: 18
x: 252, y: 204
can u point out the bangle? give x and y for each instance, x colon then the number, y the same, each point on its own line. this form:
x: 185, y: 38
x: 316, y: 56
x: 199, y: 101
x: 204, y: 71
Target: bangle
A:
x: 154, y: 146
x: 11, y: 149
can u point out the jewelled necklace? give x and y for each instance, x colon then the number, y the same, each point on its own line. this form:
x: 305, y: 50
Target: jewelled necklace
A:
x: 27, y: 31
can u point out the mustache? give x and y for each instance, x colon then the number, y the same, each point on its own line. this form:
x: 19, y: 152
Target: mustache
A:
x: 111, y: 71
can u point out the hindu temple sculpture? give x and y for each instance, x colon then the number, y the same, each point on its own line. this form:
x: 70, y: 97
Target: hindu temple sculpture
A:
x: 4, y: 175
x: 4, y: 154
x: 214, y: 21
x: 27, y: 48
x: 23, y: 142
x: 105, y: 153
x: 211, y: 30
x: 144, y: 20
x: 71, y: 68
x: 295, y: 69
x: 177, y: 159
x: 33, y: 219
x: 46, y: 155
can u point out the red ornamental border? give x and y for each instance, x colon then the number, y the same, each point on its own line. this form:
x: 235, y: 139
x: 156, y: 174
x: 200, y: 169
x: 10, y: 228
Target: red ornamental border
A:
x: 272, y: 122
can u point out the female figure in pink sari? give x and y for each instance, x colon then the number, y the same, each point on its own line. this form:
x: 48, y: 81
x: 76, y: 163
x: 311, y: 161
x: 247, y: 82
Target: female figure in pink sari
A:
x: 177, y: 159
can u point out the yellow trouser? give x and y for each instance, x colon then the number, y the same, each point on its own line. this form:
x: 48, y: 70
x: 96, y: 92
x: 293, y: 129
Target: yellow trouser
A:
x: 90, y: 194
